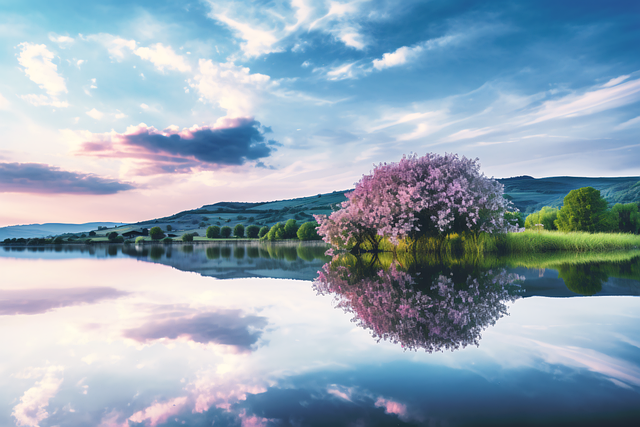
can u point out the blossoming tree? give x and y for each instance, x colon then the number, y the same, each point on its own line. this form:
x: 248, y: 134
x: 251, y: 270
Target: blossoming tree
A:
x: 432, y: 195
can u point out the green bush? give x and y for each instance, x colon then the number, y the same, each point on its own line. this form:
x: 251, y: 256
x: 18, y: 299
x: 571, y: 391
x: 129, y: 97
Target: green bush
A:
x: 169, y: 227
x: 584, y: 210
x: 58, y: 240
x: 263, y: 232
x: 276, y: 232
x: 140, y: 239
x: 167, y: 240
x: 111, y: 236
x: 290, y: 229
x: 252, y: 231
x: 238, y: 230
x: 225, y: 231
x: 213, y: 232
x: 118, y: 239
x: 156, y: 233
x: 545, y: 216
x: 307, y: 231
x: 187, y: 237
x: 626, y: 217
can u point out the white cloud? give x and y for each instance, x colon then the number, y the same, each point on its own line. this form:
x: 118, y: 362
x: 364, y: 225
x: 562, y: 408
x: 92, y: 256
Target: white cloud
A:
x: 305, y: 64
x: 257, y: 41
x: 62, y: 41
x: 38, y: 65
x: 230, y: 86
x: 344, y: 71
x: 144, y: 106
x: 163, y: 57
x: 79, y: 62
x: 604, y: 98
x: 405, y: 54
x: 95, y: 114
x: 158, y: 413
x: 616, y: 81
x: 115, y: 45
x: 43, y: 100
x: 628, y: 123
x: 32, y: 407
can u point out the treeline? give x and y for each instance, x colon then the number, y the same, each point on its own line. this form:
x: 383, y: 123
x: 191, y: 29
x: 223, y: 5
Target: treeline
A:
x: 279, y: 231
x: 585, y: 209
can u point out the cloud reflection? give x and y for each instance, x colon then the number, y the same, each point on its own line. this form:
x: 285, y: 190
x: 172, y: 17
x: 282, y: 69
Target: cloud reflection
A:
x: 226, y: 327
x: 32, y: 407
x: 37, y: 301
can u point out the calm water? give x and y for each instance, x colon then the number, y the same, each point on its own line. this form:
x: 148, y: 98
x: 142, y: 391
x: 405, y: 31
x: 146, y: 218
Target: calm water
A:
x: 252, y: 335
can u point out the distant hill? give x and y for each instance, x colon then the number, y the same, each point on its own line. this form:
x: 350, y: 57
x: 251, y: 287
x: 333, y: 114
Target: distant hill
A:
x: 50, y: 229
x: 530, y: 194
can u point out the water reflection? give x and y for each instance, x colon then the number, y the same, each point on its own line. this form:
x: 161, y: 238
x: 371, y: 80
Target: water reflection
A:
x: 419, y: 306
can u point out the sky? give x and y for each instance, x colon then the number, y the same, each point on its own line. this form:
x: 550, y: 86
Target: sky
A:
x: 132, y: 110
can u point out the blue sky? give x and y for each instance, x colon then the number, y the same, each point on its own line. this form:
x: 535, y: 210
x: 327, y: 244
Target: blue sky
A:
x: 130, y: 110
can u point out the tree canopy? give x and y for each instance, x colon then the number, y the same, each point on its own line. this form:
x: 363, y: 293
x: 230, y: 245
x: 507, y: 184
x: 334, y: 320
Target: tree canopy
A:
x: 431, y: 195
x: 583, y: 210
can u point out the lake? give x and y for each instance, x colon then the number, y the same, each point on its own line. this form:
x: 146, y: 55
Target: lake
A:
x: 251, y: 334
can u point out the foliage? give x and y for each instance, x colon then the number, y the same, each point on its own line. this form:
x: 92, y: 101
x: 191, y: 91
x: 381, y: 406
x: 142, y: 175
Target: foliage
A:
x: 238, y: 230
x: 58, y: 239
x: 139, y: 239
x: 583, y: 210
x: 213, y: 232
x: 276, y: 232
x: 156, y: 233
x: 252, y: 231
x: 545, y: 216
x: 169, y: 227
x: 626, y: 217
x: 515, y: 219
x: 263, y: 232
x: 111, y: 236
x: 290, y: 229
x: 118, y: 239
x: 187, y: 237
x: 225, y: 231
x: 419, y: 196
x: 308, y: 231
x: 92, y: 233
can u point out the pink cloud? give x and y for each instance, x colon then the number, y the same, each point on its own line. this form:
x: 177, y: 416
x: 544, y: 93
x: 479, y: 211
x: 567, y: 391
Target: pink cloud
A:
x: 392, y: 407
x: 32, y: 407
x: 158, y: 413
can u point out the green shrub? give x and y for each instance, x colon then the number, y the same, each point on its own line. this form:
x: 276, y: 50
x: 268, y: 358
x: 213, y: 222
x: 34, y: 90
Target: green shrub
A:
x: 626, y: 217
x: 584, y: 210
x: 169, y: 227
x: 276, y: 232
x: 187, y: 237
x: 308, y: 231
x: 213, y: 232
x: 290, y: 229
x: 118, y: 239
x: 263, y: 232
x: 139, y: 239
x: 545, y: 216
x: 238, y: 230
x: 252, y: 231
x: 225, y: 231
x: 111, y: 236
x: 58, y: 240
x: 156, y: 233
x: 167, y: 240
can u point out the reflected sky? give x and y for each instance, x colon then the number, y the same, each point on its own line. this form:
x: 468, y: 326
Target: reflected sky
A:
x: 117, y: 342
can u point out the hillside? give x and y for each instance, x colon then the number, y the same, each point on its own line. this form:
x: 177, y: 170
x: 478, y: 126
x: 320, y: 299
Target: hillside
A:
x: 528, y: 195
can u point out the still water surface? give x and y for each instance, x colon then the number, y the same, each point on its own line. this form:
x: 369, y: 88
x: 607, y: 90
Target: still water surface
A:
x: 261, y: 335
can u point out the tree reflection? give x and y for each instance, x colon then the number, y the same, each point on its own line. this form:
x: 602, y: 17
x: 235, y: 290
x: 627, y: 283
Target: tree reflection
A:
x: 430, y: 307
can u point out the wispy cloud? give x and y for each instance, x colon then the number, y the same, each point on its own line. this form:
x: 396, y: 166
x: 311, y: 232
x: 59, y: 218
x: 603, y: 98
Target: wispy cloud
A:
x: 37, y: 63
x: 163, y: 57
x: 407, y: 54
x: 32, y: 409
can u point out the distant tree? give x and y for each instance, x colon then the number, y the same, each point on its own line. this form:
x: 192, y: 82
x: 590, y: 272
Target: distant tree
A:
x: 583, y: 210
x: 118, y: 239
x: 187, y: 237
x: 290, y: 229
x: 238, y: 230
x: 213, y: 232
x: 626, y: 217
x: 169, y: 227
x: 111, y: 236
x: 225, y: 231
x: 92, y: 233
x: 156, y: 233
x: 545, y: 216
x: 252, y: 231
x: 263, y: 232
x: 251, y: 219
x: 276, y: 232
x: 308, y: 231
x: 202, y: 224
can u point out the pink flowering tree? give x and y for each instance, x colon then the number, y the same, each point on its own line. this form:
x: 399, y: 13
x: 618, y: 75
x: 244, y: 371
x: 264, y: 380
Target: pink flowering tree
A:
x: 433, y: 312
x: 432, y: 196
